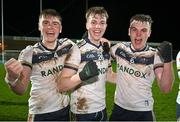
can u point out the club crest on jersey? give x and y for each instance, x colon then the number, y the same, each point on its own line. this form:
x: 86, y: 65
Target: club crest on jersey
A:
x: 100, y: 56
x: 132, y: 60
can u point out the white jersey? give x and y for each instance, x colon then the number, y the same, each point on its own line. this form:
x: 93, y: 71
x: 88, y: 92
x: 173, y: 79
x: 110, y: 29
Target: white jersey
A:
x: 46, y: 65
x: 178, y: 70
x: 91, y: 98
x: 135, y: 76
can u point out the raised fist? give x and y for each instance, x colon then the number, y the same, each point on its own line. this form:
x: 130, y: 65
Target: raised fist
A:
x: 13, y: 70
x: 165, y: 51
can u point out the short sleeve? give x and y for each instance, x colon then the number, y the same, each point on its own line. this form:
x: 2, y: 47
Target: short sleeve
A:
x: 157, y: 60
x: 178, y: 63
x: 25, y: 56
x: 74, y: 57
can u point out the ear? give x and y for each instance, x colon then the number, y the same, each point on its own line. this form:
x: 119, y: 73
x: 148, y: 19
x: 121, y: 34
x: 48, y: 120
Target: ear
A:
x: 87, y: 27
x: 39, y: 27
x: 106, y: 25
x: 129, y: 31
x: 60, y: 29
x: 149, y: 33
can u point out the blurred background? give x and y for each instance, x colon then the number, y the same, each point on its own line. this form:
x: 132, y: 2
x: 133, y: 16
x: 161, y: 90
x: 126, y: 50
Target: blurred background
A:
x: 19, y: 19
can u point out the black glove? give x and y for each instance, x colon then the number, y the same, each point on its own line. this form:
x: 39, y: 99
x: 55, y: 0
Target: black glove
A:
x: 90, y: 70
x: 106, y: 47
x: 165, y: 51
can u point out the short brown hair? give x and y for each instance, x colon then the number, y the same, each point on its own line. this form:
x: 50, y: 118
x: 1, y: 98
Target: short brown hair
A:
x: 50, y: 12
x: 97, y: 10
x: 142, y: 18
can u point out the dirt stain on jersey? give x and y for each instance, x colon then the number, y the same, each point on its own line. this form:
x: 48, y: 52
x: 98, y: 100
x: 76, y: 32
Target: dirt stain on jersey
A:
x: 82, y: 104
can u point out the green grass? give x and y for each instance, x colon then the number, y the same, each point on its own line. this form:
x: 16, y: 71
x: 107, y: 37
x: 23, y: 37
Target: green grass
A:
x: 165, y: 104
x: 14, y: 107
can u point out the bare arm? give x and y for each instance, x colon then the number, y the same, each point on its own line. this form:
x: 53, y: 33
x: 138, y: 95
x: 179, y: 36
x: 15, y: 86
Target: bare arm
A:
x: 165, y: 77
x: 111, y: 76
x: 68, y: 79
x: 17, y: 76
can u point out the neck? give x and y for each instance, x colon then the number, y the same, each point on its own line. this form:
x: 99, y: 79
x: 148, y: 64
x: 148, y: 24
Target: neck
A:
x: 49, y: 44
x: 95, y: 42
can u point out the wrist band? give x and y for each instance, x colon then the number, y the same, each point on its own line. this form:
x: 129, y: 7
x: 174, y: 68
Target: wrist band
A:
x: 12, y: 83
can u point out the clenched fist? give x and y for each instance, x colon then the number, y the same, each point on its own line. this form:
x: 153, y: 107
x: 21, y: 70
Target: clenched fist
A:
x: 13, y: 69
x: 165, y: 51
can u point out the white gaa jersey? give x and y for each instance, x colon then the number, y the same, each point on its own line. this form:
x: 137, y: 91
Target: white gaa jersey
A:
x: 178, y: 70
x: 135, y: 76
x: 91, y: 98
x: 46, y: 65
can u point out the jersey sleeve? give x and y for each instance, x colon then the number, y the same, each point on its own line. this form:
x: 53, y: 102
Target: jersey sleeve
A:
x: 178, y: 63
x: 25, y: 56
x: 157, y: 60
x: 73, y: 58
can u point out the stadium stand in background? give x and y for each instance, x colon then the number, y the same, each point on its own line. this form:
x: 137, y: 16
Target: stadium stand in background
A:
x: 14, y: 44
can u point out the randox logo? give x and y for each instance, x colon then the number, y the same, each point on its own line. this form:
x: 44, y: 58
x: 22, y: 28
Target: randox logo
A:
x: 52, y: 71
x: 102, y: 70
x: 131, y: 71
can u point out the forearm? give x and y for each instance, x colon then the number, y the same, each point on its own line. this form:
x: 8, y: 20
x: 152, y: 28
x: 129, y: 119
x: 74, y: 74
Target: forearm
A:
x: 19, y: 83
x: 167, y: 77
x: 111, y: 76
x: 17, y: 86
x: 68, y: 83
x: 69, y: 79
x: 19, y: 89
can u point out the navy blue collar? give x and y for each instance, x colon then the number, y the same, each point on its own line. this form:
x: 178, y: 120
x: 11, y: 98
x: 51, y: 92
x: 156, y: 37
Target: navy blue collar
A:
x: 144, y: 49
x: 40, y: 43
x: 88, y: 41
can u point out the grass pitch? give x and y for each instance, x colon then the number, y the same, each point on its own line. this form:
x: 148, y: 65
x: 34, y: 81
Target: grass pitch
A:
x: 15, y: 108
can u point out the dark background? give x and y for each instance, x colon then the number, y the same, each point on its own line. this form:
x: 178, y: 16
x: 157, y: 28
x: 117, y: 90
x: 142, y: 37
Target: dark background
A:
x: 21, y: 17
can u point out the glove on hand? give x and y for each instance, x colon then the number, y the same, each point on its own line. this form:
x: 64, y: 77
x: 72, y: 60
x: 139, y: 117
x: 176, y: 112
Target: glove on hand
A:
x: 106, y: 47
x: 165, y: 51
x: 90, y: 70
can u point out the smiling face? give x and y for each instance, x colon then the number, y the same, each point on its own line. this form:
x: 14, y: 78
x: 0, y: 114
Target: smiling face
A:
x: 50, y: 27
x: 96, y: 25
